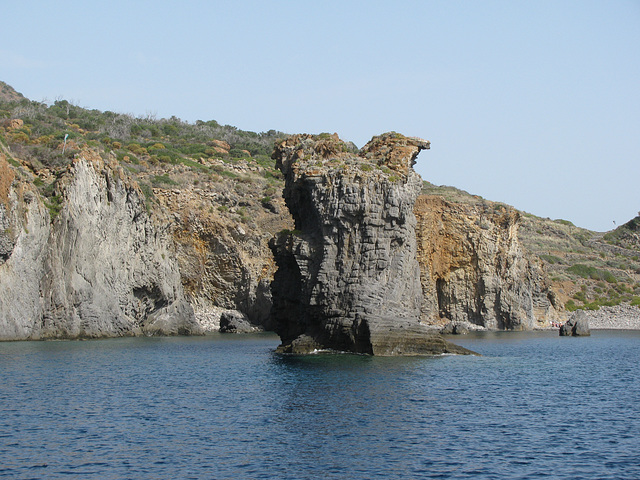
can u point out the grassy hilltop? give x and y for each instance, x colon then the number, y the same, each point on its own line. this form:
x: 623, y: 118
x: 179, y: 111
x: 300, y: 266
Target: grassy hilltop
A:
x: 163, y: 153
x: 588, y: 269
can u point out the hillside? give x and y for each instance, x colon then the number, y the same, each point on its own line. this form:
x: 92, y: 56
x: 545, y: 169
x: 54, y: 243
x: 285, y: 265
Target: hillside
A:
x: 219, y: 193
x: 588, y: 269
x: 8, y: 93
x: 214, y: 188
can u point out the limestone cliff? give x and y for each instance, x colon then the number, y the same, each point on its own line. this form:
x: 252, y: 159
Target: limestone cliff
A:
x: 474, y: 268
x: 101, y: 267
x: 348, y: 277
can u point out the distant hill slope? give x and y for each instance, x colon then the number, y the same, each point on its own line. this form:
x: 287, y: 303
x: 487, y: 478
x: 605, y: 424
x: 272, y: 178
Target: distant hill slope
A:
x: 626, y: 236
x: 8, y: 94
x: 588, y: 269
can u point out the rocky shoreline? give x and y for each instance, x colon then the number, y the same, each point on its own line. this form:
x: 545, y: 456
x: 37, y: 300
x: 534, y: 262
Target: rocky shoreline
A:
x: 619, y: 317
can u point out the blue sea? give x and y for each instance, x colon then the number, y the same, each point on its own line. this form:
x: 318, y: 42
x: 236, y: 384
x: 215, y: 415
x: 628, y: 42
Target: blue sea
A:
x: 534, y: 405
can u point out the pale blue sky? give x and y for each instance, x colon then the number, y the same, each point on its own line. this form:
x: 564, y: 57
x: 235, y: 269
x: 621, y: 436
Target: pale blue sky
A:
x: 535, y: 104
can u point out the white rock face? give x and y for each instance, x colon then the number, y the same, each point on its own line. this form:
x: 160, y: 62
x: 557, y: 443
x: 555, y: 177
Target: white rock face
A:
x: 102, y: 268
x: 25, y: 229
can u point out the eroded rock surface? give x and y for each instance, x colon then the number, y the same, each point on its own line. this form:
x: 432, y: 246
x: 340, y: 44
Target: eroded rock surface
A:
x: 101, y: 268
x: 223, y: 263
x: 474, y: 268
x: 348, y: 276
x: 576, y: 326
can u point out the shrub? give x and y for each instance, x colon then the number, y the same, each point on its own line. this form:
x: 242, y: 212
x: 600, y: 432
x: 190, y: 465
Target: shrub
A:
x: 564, y: 222
x: 54, y: 205
x: 552, y: 259
x: 580, y: 296
x: 163, y: 179
x: 586, y: 271
x: 570, y: 306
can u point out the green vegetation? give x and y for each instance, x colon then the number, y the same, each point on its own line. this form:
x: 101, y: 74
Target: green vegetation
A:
x: 564, y: 222
x: 570, y: 306
x: 172, y: 140
x: 163, y: 179
x: 625, y: 236
x: 54, y: 205
x: 552, y: 259
x: 593, y: 273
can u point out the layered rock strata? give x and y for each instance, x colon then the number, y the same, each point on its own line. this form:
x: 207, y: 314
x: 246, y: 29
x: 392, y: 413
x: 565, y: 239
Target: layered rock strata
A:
x: 101, y: 267
x: 474, y: 269
x: 348, y: 278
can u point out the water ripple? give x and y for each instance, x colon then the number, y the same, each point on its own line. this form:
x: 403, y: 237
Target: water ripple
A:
x: 533, y: 406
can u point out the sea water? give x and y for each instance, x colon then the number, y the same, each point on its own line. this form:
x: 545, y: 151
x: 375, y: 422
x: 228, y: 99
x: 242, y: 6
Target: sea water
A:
x: 534, y: 405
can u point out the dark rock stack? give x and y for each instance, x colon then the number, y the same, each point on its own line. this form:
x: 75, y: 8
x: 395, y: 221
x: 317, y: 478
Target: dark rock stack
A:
x: 348, y: 278
x: 576, y: 326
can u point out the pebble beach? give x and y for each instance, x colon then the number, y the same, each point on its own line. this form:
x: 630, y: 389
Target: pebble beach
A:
x: 619, y: 317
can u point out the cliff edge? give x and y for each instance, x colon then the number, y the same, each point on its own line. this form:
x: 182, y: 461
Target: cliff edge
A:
x: 348, y: 277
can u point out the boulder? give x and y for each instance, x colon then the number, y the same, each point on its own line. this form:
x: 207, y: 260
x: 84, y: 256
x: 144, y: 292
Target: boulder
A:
x: 232, y: 321
x: 576, y: 326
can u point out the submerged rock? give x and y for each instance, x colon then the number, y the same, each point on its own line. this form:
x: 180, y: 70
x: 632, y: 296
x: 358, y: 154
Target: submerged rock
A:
x: 576, y: 326
x: 348, y: 277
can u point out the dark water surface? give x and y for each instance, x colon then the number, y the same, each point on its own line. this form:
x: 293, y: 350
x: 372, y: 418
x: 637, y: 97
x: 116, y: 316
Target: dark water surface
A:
x: 226, y: 407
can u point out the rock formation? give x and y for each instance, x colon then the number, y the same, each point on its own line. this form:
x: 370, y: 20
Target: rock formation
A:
x: 576, y: 326
x: 348, y: 277
x: 223, y: 263
x: 101, y: 267
x: 236, y: 322
x: 474, y: 268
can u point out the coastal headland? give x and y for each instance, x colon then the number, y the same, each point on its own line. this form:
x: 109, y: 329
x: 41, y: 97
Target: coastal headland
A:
x: 114, y: 226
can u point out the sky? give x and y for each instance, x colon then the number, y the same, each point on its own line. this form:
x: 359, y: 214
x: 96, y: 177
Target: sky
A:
x: 531, y: 103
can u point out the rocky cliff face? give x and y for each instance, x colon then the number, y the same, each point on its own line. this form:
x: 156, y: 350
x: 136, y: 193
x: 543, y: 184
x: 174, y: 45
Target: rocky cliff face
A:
x: 224, y: 264
x: 102, y: 267
x: 474, y: 269
x: 95, y: 256
x: 348, y: 277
